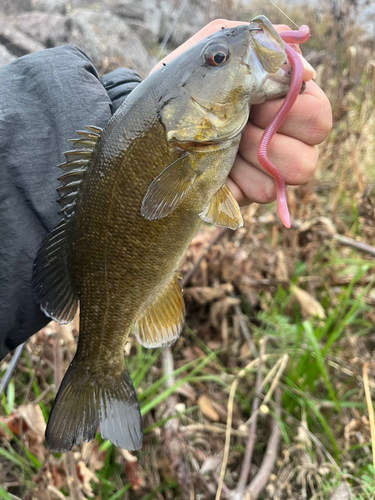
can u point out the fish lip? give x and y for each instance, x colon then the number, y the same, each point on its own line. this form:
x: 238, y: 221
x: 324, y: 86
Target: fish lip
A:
x: 265, y: 49
x: 255, y: 26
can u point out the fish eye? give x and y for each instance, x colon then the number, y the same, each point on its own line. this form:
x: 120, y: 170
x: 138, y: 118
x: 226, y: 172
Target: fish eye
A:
x: 217, y: 55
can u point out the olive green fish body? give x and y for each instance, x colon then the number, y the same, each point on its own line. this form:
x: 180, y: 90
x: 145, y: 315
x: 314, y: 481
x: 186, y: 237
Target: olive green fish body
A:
x: 120, y: 259
x: 132, y: 206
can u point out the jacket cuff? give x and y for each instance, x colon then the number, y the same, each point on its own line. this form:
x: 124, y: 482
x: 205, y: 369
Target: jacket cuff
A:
x: 119, y: 83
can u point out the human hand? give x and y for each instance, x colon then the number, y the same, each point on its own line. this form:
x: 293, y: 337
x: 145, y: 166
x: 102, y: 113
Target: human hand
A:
x: 293, y: 149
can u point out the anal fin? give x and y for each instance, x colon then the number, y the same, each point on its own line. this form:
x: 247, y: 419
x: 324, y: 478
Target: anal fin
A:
x: 161, y: 323
x: 223, y: 210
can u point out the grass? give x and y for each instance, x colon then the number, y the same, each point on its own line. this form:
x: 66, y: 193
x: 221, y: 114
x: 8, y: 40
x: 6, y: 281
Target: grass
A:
x: 325, y: 432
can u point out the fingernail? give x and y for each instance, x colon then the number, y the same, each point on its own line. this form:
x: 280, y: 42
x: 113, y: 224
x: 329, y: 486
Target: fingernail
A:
x: 308, y: 66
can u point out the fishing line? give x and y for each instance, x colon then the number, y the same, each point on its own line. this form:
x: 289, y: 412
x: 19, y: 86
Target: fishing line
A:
x: 168, y: 34
x: 282, y: 12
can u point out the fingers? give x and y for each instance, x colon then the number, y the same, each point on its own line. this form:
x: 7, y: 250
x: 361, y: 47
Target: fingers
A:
x: 295, y: 159
x: 310, y: 119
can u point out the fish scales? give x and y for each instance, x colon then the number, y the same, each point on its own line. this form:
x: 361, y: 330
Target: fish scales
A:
x: 156, y: 170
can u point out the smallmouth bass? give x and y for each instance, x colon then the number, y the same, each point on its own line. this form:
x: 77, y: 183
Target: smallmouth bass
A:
x: 133, y: 196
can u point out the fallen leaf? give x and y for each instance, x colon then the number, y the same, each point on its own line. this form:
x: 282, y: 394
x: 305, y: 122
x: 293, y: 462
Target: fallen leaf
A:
x: 33, y: 416
x: 207, y: 409
x: 187, y: 391
x: 281, y: 271
x: 54, y: 493
x: 309, y: 305
x: 220, y: 308
x: 132, y: 472
x: 85, y: 476
x: 12, y: 422
x: 132, y: 469
x: 211, y: 464
x: 342, y: 492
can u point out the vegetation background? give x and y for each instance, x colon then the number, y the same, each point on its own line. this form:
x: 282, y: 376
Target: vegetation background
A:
x: 263, y: 396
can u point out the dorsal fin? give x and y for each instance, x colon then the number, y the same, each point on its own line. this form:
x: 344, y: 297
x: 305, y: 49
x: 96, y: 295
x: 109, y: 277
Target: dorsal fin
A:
x: 51, y: 279
x: 75, y: 167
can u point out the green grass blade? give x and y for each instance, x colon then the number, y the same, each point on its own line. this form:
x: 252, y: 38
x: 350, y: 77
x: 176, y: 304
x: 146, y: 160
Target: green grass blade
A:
x: 16, y: 459
x: 158, y: 399
x: 319, y: 360
x: 4, y: 495
x: 120, y: 492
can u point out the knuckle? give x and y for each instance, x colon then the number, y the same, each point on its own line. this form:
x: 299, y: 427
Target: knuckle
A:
x: 303, y: 167
x: 320, y: 123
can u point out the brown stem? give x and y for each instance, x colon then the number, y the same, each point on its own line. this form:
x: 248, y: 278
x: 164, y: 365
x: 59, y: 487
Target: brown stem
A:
x: 57, y: 358
x: 260, y: 480
x: 73, y: 481
x: 358, y: 245
x: 172, y: 437
x: 245, y: 469
x: 245, y: 331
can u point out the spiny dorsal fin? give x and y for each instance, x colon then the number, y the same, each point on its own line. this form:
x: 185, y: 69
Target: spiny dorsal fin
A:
x: 162, y: 321
x: 223, y: 210
x: 51, y: 280
x: 75, y: 167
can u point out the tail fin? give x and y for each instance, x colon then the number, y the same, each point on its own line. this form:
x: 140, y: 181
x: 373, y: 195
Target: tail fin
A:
x: 80, y: 408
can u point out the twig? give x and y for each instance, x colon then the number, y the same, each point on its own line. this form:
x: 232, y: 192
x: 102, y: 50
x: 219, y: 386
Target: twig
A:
x: 35, y: 370
x: 245, y: 469
x: 276, y: 380
x: 232, y: 393
x: 215, y: 429
x: 12, y: 366
x: 172, y: 438
x: 261, y: 478
x: 358, y: 245
x: 344, y: 240
x: 57, y: 358
x: 73, y: 481
x: 211, y: 243
x: 245, y: 331
x: 370, y: 409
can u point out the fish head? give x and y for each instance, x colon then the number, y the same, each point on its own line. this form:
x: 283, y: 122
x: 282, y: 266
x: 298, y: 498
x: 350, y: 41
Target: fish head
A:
x: 208, y: 90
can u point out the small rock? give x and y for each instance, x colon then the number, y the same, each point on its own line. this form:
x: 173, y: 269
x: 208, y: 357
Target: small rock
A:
x: 66, y: 6
x: 17, y: 42
x: 15, y: 6
x: 51, y: 30
x: 129, y: 10
x: 108, y: 40
x: 5, y: 56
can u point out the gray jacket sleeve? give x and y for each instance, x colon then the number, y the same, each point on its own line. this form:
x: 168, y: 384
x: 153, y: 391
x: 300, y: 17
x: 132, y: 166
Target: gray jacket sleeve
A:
x: 46, y: 97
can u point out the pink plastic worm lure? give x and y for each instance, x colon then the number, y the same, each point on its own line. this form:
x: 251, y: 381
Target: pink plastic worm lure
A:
x: 299, y: 36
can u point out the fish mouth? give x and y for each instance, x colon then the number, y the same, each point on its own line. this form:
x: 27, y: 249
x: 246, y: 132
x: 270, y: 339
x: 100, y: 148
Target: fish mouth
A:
x: 267, y: 44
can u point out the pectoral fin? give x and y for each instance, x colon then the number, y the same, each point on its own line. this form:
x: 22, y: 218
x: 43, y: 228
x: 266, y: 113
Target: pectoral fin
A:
x: 168, y: 189
x: 162, y: 321
x: 223, y: 210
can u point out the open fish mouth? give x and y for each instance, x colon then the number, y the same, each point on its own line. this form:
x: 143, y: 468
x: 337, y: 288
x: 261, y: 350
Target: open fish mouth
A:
x: 267, y: 43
